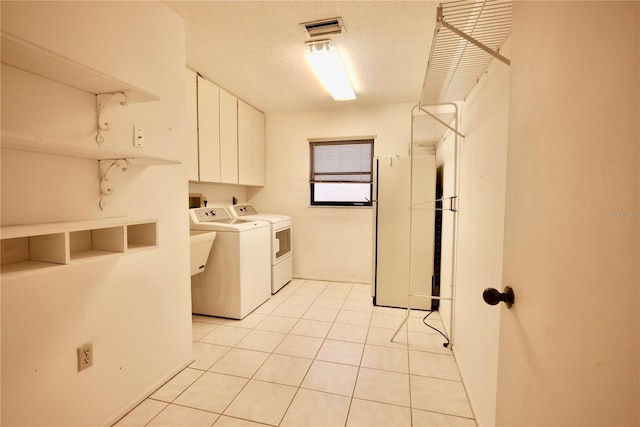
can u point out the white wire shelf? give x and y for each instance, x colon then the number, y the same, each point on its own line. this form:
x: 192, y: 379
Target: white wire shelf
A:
x: 468, y: 36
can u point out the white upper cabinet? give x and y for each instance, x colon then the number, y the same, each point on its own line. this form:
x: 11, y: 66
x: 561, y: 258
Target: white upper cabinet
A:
x: 209, y: 131
x: 225, y: 136
x: 228, y: 138
x: 251, y: 149
x: 191, y: 133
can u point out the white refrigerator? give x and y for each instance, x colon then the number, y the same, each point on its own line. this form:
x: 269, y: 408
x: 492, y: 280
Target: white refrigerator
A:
x: 403, y: 233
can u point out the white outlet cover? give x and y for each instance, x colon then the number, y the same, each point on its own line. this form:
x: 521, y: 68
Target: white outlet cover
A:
x: 138, y: 137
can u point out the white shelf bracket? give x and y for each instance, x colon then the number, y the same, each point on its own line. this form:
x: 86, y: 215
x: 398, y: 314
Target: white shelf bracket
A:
x: 102, y: 102
x: 436, y: 118
x: 106, y: 166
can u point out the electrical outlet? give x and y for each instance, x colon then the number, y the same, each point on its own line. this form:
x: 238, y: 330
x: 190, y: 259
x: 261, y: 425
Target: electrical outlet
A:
x: 85, y: 356
x: 138, y: 137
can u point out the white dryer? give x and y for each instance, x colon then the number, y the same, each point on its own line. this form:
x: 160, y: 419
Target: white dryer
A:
x: 281, y: 240
x: 238, y: 275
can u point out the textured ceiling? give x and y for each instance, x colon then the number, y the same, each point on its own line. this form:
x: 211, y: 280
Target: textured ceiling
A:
x: 255, y: 49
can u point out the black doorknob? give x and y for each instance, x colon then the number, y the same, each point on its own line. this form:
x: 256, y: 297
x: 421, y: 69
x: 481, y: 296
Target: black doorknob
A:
x: 493, y: 296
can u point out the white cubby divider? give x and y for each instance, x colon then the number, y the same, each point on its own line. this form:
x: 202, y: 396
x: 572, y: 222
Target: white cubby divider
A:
x: 37, y: 246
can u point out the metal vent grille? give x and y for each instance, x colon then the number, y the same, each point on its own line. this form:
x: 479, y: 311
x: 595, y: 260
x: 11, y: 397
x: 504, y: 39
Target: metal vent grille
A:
x: 323, y: 27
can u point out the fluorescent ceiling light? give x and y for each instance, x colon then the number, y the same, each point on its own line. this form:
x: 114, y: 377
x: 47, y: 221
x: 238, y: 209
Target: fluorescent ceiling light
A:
x: 328, y: 67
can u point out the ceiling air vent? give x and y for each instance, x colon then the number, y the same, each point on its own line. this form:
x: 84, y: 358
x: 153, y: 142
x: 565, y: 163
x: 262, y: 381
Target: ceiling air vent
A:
x: 323, y: 27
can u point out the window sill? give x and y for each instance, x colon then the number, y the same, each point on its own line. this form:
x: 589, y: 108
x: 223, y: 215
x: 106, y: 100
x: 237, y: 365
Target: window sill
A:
x: 339, y: 207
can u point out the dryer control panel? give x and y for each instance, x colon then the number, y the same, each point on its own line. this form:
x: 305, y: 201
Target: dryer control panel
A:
x: 242, y: 210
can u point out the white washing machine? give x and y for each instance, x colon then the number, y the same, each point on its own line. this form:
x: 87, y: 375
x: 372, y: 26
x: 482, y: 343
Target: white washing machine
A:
x: 281, y: 239
x: 238, y: 275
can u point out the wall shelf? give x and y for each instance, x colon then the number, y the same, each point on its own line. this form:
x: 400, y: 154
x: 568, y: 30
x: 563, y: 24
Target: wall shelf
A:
x: 27, y: 56
x: 39, y: 60
x: 468, y: 36
x: 36, y: 144
x: 34, y: 247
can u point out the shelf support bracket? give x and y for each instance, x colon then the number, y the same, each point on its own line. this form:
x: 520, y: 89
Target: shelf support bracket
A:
x: 106, y: 166
x: 433, y: 116
x: 102, y: 101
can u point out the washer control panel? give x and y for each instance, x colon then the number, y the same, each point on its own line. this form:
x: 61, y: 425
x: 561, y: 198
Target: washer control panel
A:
x: 209, y: 214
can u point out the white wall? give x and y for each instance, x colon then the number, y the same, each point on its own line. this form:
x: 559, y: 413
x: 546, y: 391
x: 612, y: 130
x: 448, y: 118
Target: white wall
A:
x: 328, y: 243
x: 480, y: 236
x: 219, y: 194
x: 135, y: 308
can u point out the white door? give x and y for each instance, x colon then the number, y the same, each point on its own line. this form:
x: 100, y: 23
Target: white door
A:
x: 208, y: 130
x: 191, y: 128
x: 228, y: 138
x: 569, y: 346
x: 250, y: 145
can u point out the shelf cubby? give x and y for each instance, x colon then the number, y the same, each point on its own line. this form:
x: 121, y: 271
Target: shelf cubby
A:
x: 33, y: 252
x: 101, y: 241
x: 141, y: 235
x: 33, y: 247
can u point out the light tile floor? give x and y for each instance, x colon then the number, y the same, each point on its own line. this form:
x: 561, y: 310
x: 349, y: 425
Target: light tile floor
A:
x: 315, y: 354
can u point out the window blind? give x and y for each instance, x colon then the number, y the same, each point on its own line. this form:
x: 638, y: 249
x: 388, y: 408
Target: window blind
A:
x: 342, y: 161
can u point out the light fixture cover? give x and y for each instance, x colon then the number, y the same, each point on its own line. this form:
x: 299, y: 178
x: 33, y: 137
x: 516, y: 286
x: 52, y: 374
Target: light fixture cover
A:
x: 328, y: 67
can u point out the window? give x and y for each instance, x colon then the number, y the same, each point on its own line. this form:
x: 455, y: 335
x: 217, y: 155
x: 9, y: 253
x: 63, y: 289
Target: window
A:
x: 341, y: 172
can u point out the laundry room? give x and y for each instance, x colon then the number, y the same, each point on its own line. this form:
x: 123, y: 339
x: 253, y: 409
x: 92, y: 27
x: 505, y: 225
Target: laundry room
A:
x: 196, y: 231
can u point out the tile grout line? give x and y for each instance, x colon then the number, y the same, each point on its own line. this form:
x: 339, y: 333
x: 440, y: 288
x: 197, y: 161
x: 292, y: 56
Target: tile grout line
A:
x: 334, y: 322
x: 409, y: 373
x: 312, y: 360
x: 310, y: 365
x: 202, y: 372
x: 248, y: 379
x: 272, y: 352
x: 355, y: 383
x: 262, y: 364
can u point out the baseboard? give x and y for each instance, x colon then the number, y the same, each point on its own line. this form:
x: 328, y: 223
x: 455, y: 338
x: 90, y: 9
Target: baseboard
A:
x: 124, y: 411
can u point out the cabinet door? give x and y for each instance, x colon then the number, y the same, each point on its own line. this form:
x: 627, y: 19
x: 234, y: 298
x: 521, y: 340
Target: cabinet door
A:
x: 191, y: 131
x: 259, y: 149
x: 209, y: 130
x: 228, y: 138
x: 250, y: 145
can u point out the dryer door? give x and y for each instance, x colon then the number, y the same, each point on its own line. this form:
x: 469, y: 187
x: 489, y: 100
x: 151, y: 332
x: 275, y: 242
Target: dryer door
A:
x: 282, y: 243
